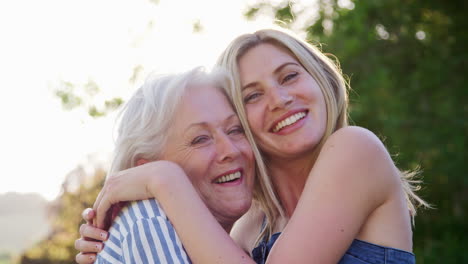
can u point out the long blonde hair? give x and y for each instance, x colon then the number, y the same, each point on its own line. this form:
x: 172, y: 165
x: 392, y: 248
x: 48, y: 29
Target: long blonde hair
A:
x: 326, y: 71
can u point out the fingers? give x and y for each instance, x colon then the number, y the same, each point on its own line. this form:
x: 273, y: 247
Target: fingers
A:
x: 85, y: 258
x: 105, y: 200
x: 88, y: 214
x: 88, y: 246
x: 97, y: 203
x: 101, y: 212
x: 90, y: 232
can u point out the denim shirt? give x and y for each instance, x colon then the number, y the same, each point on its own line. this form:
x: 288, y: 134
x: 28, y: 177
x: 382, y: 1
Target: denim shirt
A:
x: 360, y: 252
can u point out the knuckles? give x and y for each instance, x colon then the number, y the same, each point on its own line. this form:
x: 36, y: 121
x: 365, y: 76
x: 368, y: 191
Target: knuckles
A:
x: 78, y: 244
x: 82, y: 229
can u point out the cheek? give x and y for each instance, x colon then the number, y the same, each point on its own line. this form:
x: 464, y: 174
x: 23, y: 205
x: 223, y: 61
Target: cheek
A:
x: 196, y: 166
x: 254, y: 117
x: 247, y: 152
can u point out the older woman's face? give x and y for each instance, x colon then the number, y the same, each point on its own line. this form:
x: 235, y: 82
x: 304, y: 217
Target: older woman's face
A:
x: 285, y: 107
x: 208, y: 142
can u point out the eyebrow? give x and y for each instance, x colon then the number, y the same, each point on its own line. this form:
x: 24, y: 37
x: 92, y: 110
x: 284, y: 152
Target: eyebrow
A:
x: 276, y: 71
x: 204, y: 124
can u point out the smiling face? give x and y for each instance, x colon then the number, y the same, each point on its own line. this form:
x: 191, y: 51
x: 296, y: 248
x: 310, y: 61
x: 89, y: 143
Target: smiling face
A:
x: 208, y: 142
x: 285, y: 107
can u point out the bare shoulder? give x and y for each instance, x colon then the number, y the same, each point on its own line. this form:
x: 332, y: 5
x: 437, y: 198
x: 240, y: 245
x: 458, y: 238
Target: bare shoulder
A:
x: 247, y: 228
x: 354, y: 136
x: 359, y: 152
x: 357, y: 144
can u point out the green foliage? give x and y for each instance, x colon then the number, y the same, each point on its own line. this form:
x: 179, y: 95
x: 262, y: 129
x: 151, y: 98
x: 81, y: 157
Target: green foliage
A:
x: 66, y: 218
x: 250, y: 14
x: 73, y: 97
x: 285, y: 14
x: 5, y: 258
x: 68, y: 96
x: 407, y: 64
x: 197, y: 26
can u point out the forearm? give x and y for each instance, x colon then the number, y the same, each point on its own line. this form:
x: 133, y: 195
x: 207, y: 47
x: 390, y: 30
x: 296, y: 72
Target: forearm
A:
x: 202, y: 236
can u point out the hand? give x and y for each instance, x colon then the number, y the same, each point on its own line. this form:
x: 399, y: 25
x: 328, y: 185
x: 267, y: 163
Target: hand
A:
x: 138, y: 183
x: 90, y: 241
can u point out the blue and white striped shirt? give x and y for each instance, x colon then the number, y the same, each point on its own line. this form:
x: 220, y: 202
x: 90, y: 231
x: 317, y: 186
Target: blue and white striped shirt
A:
x: 142, y: 234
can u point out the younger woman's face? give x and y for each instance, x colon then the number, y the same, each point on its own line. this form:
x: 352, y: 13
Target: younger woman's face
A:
x: 284, y: 104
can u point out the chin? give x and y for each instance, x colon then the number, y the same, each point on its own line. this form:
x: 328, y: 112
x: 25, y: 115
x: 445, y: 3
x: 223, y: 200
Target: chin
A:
x: 238, y: 209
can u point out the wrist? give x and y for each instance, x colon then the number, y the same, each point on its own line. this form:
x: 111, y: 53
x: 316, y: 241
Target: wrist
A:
x: 162, y: 178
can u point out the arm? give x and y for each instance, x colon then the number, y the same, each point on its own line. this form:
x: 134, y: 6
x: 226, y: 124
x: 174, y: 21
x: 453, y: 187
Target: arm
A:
x: 352, y: 176
x: 117, y: 188
x: 202, y: 236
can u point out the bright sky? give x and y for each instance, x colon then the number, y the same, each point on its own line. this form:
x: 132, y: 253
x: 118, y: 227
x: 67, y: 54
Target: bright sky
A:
x: 43, y: 42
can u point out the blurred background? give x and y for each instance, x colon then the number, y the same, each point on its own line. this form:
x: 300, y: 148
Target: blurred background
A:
x: 66, y: 67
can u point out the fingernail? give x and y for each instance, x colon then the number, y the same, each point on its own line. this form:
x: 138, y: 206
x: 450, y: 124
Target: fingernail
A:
x: 99, y: 247
x: 104, y: 235
x: 91, y: 257
x: 86, y: 212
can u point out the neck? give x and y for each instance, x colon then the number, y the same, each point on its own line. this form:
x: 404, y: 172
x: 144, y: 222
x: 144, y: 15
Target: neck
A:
x: 226, y: 222
x: 289, y: 176
x: 227, y: 226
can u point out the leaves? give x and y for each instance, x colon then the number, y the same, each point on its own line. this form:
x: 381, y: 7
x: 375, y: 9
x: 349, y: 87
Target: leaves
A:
x: 406, y: 60
x: 65, y: 213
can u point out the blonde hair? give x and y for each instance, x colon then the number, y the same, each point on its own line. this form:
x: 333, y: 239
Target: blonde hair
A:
x: 326, y: 71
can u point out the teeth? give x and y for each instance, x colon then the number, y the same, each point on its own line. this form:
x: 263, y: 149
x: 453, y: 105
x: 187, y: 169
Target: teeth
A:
x: 288, y: 121
x: 229, y: 177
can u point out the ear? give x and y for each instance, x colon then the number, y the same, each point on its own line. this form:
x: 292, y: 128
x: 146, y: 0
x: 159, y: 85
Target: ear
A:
x: 141, y: 162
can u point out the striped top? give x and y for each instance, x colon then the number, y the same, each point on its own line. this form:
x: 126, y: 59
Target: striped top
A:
x: 141, y: 233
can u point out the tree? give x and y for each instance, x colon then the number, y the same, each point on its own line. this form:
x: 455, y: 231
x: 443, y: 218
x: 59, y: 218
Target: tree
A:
x: 406, y: 63
x: 79, y: 191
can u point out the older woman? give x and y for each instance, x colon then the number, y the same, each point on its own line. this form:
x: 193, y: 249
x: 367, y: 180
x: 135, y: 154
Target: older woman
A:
x: 338, y: 196
x: 168, y: 134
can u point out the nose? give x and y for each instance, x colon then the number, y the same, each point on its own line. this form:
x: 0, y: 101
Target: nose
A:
x: 226, y: 149
x: 279, y: 97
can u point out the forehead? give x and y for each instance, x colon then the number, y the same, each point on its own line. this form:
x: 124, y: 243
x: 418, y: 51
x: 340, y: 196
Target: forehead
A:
x: 201, y: 103
x: 262, y: 58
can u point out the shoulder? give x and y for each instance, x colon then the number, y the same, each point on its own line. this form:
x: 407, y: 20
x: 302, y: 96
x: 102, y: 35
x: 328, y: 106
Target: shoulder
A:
x: 354, y: 136
x: 356, y: 154
x: 358, y: 145
x: 148, y: 229
x: 134, y: 212
x: 145, y: 209
x: 139, y: 229
x: 248, y: 227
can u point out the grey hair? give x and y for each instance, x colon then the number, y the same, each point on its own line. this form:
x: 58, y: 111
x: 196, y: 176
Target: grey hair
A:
x: 146, y: 118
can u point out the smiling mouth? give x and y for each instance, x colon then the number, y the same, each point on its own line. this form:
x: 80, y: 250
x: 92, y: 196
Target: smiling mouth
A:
x: 229, y: 177
x: 289, y: 121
